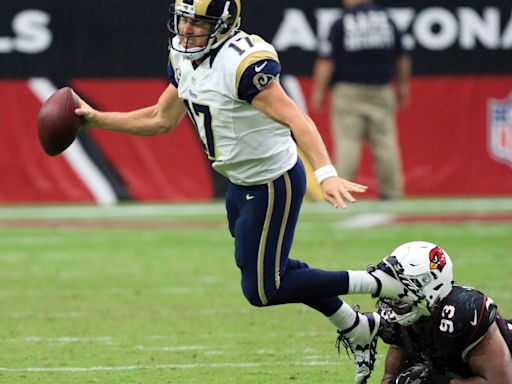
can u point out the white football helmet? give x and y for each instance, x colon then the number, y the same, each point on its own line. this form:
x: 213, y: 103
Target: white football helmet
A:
x: 223, y: 15
x: 425, y: 269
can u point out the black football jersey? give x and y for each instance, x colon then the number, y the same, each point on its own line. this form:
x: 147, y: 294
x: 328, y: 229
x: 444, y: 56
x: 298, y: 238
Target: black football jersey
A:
x: 505, y: 327
x: 458, y: 323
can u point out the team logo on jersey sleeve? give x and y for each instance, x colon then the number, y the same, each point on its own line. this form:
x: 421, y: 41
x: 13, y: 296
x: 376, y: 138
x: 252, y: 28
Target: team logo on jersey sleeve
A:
x: 261, y: 80
x: 437, y: 259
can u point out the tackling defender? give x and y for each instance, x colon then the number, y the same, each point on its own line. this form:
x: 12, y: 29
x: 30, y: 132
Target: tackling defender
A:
x: 228, y: 83
x: 455, y: 336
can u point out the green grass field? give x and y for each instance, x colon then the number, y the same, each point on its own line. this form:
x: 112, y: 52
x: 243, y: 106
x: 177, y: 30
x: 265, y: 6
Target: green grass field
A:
x: 150, y: 294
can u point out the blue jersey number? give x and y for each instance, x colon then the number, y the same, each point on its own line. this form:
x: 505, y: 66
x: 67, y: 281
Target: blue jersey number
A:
x: 202, y: 119
x: 237, y: 48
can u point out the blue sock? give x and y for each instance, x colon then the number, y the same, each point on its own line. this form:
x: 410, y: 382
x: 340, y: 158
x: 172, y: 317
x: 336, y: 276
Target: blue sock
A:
x: 312, y: 287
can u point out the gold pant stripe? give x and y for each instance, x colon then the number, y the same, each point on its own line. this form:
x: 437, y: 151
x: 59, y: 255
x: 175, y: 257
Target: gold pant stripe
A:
x: 286, y: 213
x: 263, y: 243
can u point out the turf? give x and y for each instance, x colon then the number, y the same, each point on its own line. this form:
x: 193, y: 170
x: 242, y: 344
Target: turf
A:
x: 158, y: 301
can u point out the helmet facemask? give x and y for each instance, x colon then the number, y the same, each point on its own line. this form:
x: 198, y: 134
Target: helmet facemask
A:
x: 401, y: 312
x: 222, y: 26
x: 424, y: 269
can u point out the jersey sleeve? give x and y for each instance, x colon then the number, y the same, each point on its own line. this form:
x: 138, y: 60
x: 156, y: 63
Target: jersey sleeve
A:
x: 255, y: 73
x: 399, y: 47
x: 463, y: 323
x: 505, y: 327
x: 171, y: 73
x: 335, y: 40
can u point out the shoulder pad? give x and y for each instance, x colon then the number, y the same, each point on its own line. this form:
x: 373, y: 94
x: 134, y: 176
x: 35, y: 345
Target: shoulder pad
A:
x: 466, y: 313
x: 250, y: 50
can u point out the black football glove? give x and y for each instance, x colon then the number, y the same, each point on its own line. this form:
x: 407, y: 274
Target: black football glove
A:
x: 421, y: 374
x: 417, y: 374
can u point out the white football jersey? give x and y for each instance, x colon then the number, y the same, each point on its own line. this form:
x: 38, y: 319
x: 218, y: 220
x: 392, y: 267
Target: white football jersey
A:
x: 244, y: 144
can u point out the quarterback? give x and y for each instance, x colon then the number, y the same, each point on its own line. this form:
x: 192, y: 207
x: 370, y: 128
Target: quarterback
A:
x: 456, y: 337
x: 227, y: 81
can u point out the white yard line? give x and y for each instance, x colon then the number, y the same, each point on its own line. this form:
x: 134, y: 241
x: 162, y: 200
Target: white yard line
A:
x: 499, y: 205
x: 111, y: 212
x: 366, y: 220
x: 172, y: 349
x: 63, y: 339
x: 165, y: 366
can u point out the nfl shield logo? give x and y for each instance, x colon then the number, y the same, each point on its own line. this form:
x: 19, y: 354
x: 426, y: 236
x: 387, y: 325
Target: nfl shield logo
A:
x: 500, y: 130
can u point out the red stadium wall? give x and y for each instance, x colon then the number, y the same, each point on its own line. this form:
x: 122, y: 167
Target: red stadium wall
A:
x: 444, y: 136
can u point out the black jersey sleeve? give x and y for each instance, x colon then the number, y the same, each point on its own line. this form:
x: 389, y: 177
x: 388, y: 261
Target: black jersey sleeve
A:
x: 505, y: 327
x: 334, y: 42
x: 462, y: 320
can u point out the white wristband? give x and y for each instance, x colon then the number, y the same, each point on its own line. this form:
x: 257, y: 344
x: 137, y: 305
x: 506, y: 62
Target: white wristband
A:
x: 324, y: 172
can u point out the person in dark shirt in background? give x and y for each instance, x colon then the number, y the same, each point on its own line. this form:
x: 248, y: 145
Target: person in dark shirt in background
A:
x: 360, y: 60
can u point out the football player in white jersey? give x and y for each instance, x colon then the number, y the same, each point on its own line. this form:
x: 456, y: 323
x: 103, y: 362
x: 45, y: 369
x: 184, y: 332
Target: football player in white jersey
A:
x: 228, y: 82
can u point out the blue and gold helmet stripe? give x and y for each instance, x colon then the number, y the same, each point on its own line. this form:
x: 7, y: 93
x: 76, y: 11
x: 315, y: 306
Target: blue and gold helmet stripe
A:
x: 205, y: 8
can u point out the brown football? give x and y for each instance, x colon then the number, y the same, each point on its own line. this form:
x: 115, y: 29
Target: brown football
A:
x: 57, y: 124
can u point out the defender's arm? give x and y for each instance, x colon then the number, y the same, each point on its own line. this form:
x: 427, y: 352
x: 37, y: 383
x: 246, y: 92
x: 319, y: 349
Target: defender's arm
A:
x: 489, y: 360
x: 394, y: 364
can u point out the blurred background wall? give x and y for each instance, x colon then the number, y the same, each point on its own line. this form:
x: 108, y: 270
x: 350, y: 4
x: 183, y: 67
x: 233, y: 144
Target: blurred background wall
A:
x: 455, y: 135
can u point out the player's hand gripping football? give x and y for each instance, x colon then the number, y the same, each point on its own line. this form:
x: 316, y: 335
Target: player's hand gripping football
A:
x: 336, y: 190
x: 86, y: 112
